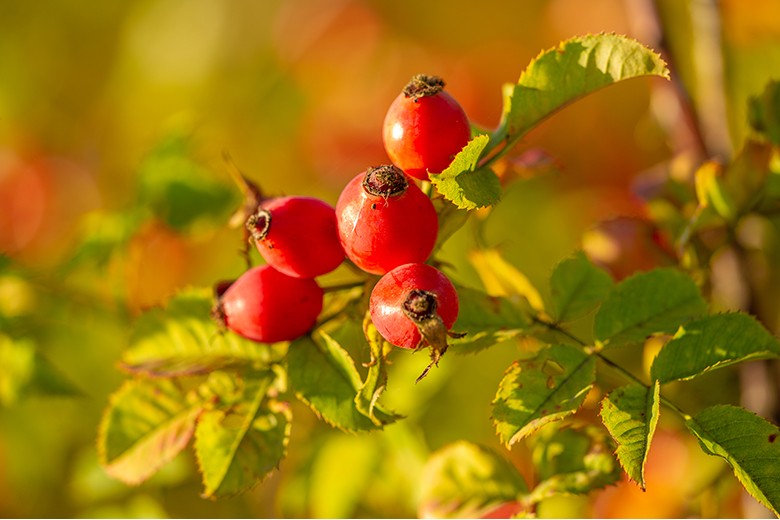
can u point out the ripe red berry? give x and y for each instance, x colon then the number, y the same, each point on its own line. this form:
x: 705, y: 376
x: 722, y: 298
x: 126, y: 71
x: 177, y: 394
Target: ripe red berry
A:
x: 297, y: 236
x: 414, y: 305
x: 385, y: 221
x: 424, y: 127
x: 268, y: 306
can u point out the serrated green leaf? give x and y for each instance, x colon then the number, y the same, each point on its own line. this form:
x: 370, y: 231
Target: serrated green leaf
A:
x: 238, y: 445
x: 466, y: 480
x: 367, y: 398
x: 577, y: 287
x: 764, y: 112
x: 464, y: 183
x: 577, y: 67
x: 651, y: 302
x: 541, y: 390
x: 572, y: 461
x: 713, y: 342
x: 323, y: 375
x: 486, y: 320
x: 182, y: 339
x: 630, y: 414
x: 749, y: 443
x: 147, y: 423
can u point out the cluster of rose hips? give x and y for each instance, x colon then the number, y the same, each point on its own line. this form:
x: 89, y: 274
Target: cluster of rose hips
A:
x: 383, y: 223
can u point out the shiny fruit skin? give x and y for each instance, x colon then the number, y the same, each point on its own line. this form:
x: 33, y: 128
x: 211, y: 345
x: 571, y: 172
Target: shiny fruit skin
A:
x: 297, y: 236
x: 379, y: 233
x: 392, y: 290
x: 267, y: 306
x: 423, y: 134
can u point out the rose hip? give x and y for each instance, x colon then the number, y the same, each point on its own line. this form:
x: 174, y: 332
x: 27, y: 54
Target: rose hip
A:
x: 384, y: 220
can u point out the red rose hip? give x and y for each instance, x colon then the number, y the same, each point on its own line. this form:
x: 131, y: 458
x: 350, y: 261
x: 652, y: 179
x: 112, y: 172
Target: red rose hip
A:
x: 424, y: 128
x: 297, y: 236
x: 267, y: 306
x: 385, y: 221
x: 414, y: 305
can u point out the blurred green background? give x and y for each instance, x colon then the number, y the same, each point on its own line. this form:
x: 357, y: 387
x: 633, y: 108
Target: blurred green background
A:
x: 114, y: 193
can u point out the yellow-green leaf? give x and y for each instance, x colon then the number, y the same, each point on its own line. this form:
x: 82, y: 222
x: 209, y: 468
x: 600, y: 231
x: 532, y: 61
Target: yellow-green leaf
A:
x: 541, y: 390
x: 630, y: 414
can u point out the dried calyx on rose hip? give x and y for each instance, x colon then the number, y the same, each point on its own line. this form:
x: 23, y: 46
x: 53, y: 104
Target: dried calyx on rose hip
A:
x: 425, y: 127
x: 414, y: 306
x: 385, y: 220
x: 267, y: 306
x: 297, y: 235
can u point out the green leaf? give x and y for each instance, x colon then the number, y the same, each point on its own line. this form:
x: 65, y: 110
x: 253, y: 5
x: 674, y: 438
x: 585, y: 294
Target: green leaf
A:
x: 323, y: 375
x: 147, y: 423
x: 764, y: 112
x: 183, y: 340
x: 486, y: 320
x: 749, y: 443
x: 713, y: 342
x: 464, y: 183
x: 576, y: 67
x: 178, y: 189
x: 577, y: 287
x: 630, y: 414
x: 466, y: 480
x: 367, y: 398
x: 238, y: 445
x: 572, y: 461
x: 541, y: 390
x: 651, y: 302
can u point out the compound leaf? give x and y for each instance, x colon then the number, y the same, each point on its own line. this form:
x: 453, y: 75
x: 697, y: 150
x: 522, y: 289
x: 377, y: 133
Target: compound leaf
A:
x: 541, y: 390
x: 656, y: 301
x: 713, y: 342
x: 464, y: 183
x: 630, y: 414
x: 577, y: 287
x: 749, y: 443
x: 147, y: 423
x: 466, y: 480
x: 576, y: 67
x: 182, y: 340
x: 239, y: 443
x: 323, y: 375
